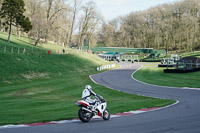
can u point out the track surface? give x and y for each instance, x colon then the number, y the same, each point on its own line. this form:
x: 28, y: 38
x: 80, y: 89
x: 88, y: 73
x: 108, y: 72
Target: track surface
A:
x: 181, y: 118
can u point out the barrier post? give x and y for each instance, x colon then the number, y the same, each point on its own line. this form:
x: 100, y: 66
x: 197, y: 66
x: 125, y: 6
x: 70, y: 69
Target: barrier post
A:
x: 5, y: 49
x: 18, y: 50
x: 12, y: 50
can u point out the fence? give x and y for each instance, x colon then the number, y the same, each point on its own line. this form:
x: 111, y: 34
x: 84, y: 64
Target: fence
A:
x: 27, y: 50
x: 187, y: 66
x: 129, y: 57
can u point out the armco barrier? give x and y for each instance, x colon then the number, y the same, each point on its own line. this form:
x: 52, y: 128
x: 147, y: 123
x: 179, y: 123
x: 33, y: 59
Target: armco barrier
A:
x: 105, y: 67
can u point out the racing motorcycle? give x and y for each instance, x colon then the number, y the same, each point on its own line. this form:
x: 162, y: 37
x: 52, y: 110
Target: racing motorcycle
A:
x: 87, y: 111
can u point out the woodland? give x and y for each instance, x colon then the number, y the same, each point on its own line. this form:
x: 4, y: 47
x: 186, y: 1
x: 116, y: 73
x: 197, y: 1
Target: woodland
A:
x: 173, y: 27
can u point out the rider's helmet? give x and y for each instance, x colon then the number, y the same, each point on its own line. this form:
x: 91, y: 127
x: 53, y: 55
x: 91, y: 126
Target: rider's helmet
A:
x: 89, y: 87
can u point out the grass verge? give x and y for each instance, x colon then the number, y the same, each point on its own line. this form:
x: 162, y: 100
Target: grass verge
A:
x: 151, y: 74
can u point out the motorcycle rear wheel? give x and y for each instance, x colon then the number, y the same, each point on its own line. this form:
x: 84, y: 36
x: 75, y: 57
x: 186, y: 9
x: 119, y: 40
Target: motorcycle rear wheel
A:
x: 84, y: 116
x: 106, y: 115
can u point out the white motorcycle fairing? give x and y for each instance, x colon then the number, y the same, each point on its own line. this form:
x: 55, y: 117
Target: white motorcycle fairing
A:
x: 101, y: 108
x: 87, y: 111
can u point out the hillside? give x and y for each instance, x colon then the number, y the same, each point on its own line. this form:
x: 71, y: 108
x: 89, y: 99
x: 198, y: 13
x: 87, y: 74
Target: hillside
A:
x: 39, y: 87
x: 18, y: 66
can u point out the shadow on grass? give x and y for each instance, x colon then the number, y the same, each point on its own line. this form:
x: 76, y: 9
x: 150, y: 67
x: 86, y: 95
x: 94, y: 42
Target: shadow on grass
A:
x: 25, y: 42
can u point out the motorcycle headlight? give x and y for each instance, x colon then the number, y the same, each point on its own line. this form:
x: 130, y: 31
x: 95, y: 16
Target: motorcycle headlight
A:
x: 78, y: 104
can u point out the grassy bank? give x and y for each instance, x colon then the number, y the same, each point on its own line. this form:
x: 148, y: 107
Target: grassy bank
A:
x: 40, y: 88
x: 151, y: 74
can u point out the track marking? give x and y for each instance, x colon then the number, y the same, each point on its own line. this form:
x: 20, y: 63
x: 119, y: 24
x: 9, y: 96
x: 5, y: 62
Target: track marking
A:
x: 186, y: 88
x: 112, y: 116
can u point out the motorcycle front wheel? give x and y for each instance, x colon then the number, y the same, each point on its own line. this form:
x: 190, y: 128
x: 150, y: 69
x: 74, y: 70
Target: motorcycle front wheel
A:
x: 84, y: 116
x: 106, y: 115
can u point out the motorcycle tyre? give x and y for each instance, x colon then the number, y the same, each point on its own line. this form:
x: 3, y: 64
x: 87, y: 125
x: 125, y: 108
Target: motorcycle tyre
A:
x: 104, y: 117
x: 81, y: 116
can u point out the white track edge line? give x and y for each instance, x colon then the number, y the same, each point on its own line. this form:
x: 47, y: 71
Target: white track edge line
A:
x: 186, y: 88
x: 137, y: 94
x: 112, y: 116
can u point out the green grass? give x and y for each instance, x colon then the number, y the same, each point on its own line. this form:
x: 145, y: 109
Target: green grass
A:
x: 195, y: 54
x: 41, y: 88
x: 153, y: 75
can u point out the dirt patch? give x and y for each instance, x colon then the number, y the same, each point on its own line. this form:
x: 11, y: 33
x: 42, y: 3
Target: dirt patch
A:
x: 35, y: 75
x: 20, y: 93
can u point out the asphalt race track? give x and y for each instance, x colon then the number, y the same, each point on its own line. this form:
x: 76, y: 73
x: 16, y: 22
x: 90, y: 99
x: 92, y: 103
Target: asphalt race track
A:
x: 183, y: 117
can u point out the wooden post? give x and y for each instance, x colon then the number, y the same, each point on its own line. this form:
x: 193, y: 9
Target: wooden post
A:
x: 12, y: 50
x: 5, y: 49
x: 32, y: 50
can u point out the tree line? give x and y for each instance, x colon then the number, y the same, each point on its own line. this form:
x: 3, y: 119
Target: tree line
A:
x: 66, y: 22
x: 174, y: 26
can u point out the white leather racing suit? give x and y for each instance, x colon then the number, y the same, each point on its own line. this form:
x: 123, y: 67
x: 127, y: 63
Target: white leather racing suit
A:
x: 86, y: 96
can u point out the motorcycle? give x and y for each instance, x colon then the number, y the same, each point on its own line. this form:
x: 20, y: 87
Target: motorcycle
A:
x: 87, y: 111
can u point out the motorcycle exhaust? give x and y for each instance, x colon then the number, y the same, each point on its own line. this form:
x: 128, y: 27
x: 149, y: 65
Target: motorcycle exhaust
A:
x: 86, y: 110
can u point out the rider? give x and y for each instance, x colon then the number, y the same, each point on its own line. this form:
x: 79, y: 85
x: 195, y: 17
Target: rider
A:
x: 87, y: 93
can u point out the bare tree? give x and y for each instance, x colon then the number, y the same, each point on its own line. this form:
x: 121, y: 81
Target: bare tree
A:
x: 169, y: 26
x: 89, y: 20
x: 54, y: 7
x: 75, y: 9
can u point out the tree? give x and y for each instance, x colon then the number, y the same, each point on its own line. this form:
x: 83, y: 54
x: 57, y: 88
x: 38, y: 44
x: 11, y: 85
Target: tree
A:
x: 12, y: 12
x: 168, y: 26
x: 54, y: 7
x: 0, y: 19
x: 38, y: 22
x: 76, y: 9
x: 89, y: 14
